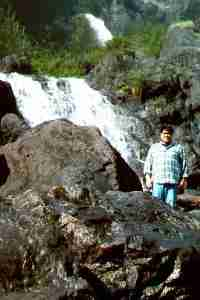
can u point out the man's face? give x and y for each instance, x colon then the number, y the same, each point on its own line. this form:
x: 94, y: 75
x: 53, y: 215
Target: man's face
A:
x: 166, y: 137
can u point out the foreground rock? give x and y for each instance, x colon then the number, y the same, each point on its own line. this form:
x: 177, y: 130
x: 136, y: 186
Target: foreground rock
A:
x: 13, y: 63
x: 117, y: 246
x: 189, y: 201
x: 59, y: 152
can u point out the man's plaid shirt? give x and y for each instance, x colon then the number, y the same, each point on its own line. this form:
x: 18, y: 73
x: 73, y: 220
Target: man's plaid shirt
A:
x: 166, y: 163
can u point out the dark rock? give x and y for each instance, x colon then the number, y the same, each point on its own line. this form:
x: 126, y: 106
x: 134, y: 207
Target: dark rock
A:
x: 139, y: 215
x: 88, y: 68
x: 180, y: 35
x: 12, y: 121
x: 148, y: 249
x: 8, y: 100
x: 194, y: 179
x: 188, y: 201
x: 168, y: 88
x: 12, y: 63
x: 111, y: 71
x: 12, y: 126
x: 4, y: 171
x: 36, y: 294
x: 94, y: 215
x: 28, y: 243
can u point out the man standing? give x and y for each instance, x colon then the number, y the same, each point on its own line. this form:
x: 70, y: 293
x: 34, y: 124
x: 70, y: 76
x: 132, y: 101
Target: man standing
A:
x: 165, y: 167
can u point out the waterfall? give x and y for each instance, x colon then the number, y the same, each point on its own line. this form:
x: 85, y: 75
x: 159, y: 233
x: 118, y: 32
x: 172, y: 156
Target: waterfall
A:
x: 49, y: 98
x: 102, y: 33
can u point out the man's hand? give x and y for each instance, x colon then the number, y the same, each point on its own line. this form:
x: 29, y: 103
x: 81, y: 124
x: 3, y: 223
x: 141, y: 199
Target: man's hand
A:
x: 149, y: 181
x: 183, y: 184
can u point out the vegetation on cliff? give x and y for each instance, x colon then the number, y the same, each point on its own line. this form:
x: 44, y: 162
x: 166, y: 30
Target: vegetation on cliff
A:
x: 72, y: 59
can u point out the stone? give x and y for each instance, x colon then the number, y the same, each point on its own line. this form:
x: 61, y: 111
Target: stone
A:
x: 13, y: 63
x: 188, y: 201
x: 61, y: 153
x: 12, y: 126
x: 8, y: 100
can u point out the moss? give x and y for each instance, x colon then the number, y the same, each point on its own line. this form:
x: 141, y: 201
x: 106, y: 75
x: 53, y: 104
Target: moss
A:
x: 52, y: 219
x: 184, y: 25
x: 197, y: 35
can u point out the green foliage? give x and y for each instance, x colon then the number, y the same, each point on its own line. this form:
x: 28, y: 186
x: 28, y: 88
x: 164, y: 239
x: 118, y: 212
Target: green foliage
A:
x: 72, y: 61
x: 173, y: 71
x: 148, y: 37
x: 80, y: 35
x: 13, y: 38
x: 63, y: 62
x: 47, y: 61
x: 94, y: 7
x: 53, y: 58
x: 136, y: 78
x: 120, y: 45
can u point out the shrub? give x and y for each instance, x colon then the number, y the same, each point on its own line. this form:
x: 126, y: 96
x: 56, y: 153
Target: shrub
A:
x: 136, y: 78
x: 13, y: 38
x: 120, y: 45
x: 80, y: 35
x: 147, y: 37
x: 59, y: 60
x: 62, y: 62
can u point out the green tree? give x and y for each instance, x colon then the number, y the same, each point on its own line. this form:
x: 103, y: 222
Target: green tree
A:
x: 13, y: 38
x: 79, y: 29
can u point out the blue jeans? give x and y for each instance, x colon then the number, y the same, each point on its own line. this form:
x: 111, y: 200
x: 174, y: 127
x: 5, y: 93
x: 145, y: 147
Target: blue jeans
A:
x: 166, y: 192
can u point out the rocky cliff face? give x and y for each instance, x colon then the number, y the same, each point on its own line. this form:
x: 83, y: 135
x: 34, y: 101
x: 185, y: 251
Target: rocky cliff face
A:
x: 153, y: 10
x: 117, y: 15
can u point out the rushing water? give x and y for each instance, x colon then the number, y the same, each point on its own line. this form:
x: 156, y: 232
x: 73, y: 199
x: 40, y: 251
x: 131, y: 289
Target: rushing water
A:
x: 49, y: 98
x: 102, y: 33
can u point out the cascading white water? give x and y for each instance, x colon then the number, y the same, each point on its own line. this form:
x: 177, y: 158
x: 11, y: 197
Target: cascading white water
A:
x: 102, y: 33
x: 50, y: 98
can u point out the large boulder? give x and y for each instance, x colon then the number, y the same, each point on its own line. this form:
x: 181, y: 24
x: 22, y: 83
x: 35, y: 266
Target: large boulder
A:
x: 32, y: 252
x: 180, y: 35
x: 59, y: 152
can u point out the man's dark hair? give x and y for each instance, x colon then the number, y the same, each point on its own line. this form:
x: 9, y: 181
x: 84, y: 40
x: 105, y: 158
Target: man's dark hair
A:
x: 168, y: 128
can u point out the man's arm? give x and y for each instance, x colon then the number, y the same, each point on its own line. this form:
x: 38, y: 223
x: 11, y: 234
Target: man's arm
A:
x: 149, y: 181
x: 148, y: 169
x: 183, y: 183
x: 183, y: 180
